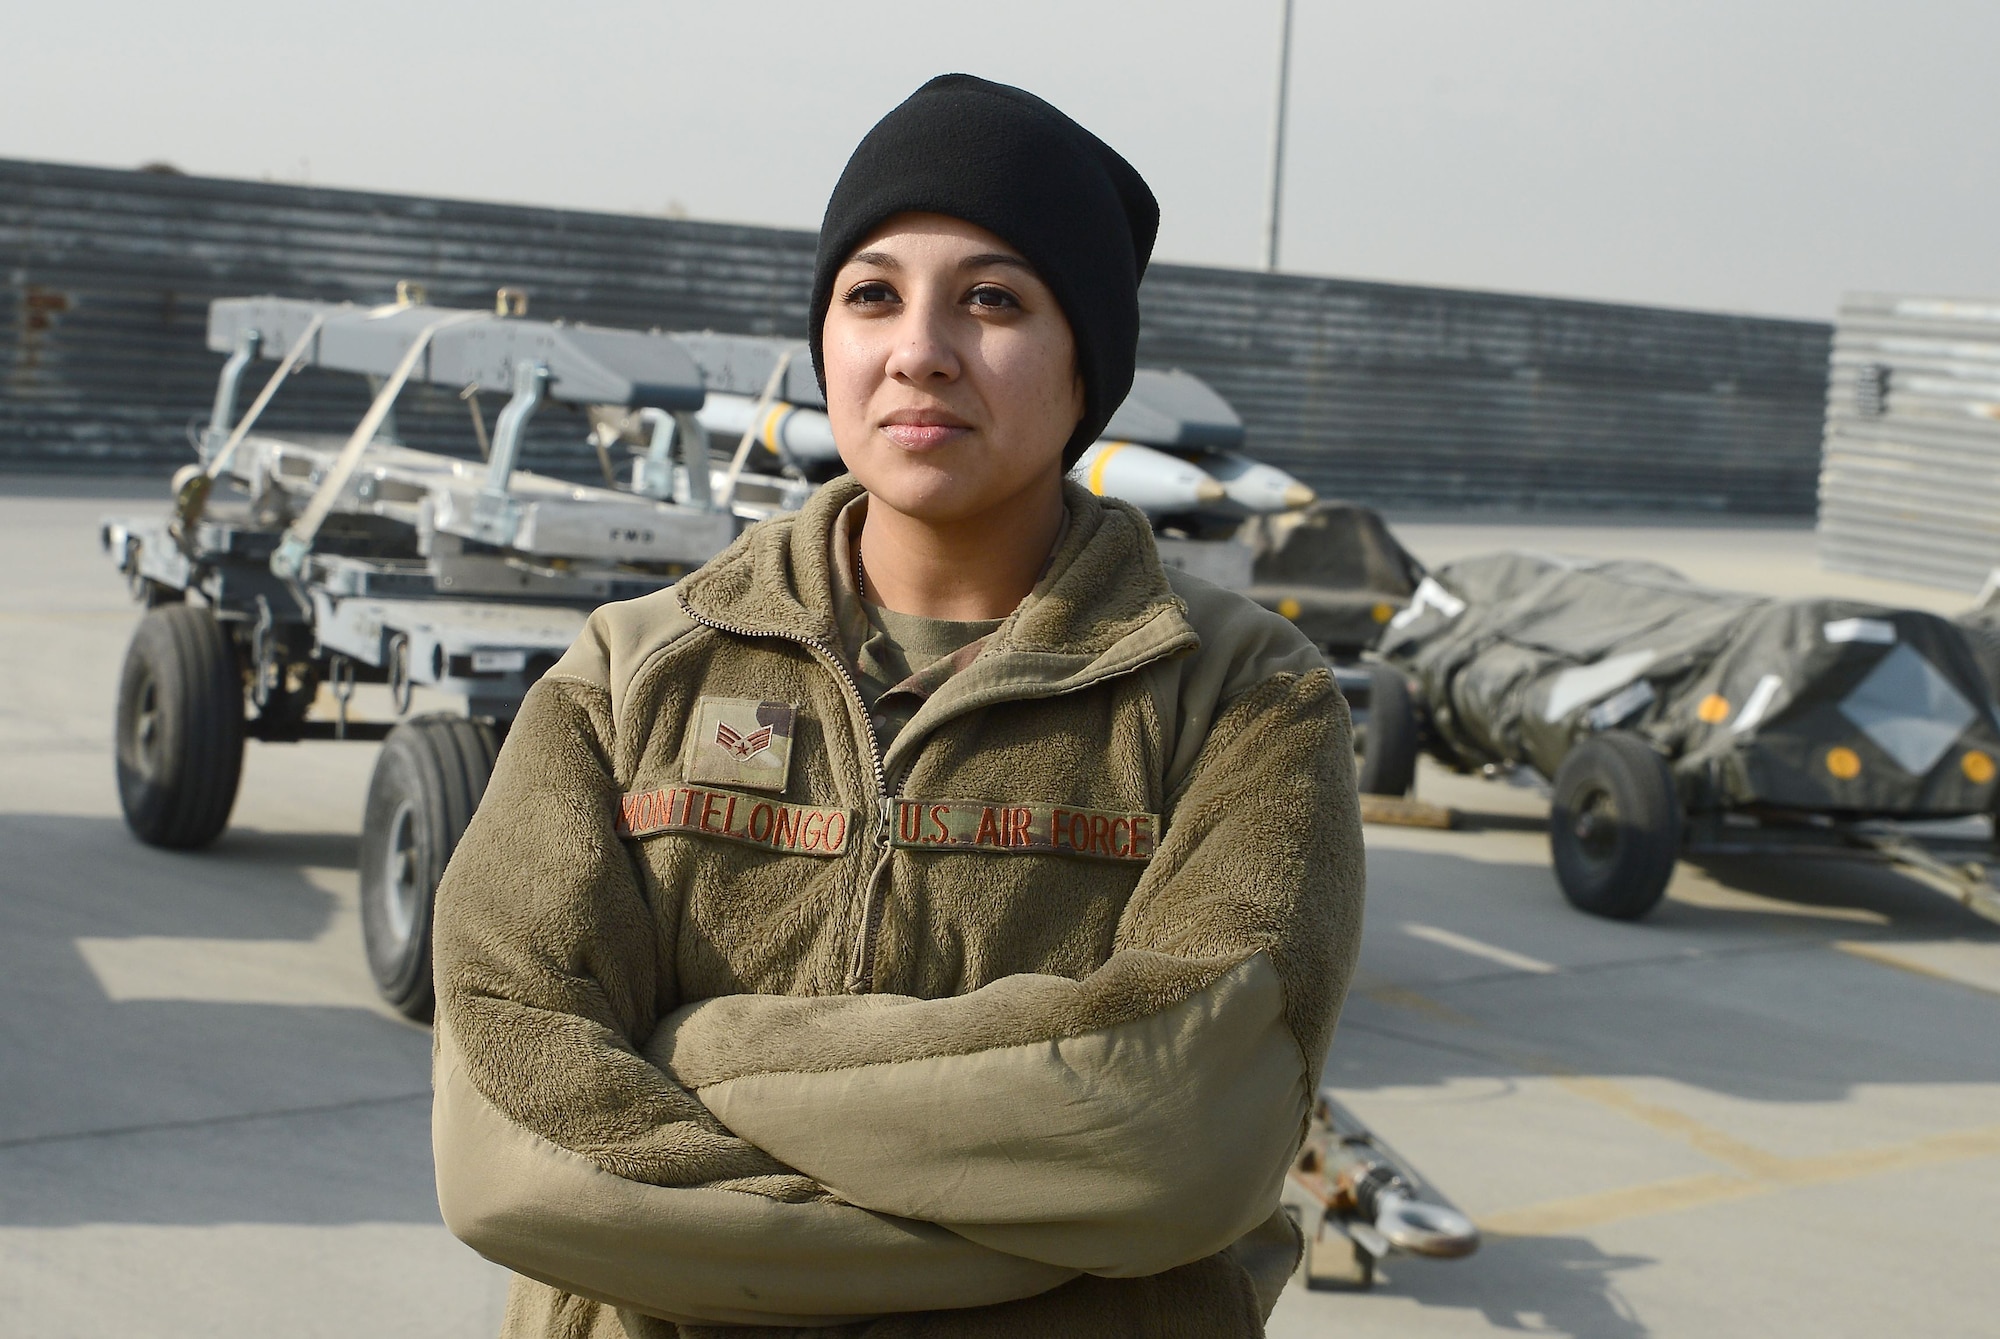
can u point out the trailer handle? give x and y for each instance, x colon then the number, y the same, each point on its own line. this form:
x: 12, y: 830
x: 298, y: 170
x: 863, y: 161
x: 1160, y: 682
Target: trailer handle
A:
x: 340, y: 678
x: 531, y: 383
x: 192, y: 499
x: 226, y: 388
x: 402, y: 687
x: 220, y: 461
x: 657, y: 471
x: 262, y: 668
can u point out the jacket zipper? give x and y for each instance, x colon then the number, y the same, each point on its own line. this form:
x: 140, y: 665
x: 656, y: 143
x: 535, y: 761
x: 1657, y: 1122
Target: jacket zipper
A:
x: 861, y: 965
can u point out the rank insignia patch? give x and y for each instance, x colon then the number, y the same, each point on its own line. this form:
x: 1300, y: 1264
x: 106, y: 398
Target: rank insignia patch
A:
x: 739, y: 741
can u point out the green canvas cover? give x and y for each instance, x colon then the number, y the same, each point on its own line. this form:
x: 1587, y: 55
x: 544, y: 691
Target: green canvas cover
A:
x: 1822, y: 705
x: 1333, y: 568
x: 1981, y: 626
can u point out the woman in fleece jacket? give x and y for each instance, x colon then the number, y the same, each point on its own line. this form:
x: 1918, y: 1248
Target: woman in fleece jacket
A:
x: 929, y: 918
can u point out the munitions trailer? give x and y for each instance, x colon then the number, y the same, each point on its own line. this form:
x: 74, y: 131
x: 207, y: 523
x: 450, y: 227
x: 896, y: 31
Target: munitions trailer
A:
x: 293, y: 567
x: 1670, y: 718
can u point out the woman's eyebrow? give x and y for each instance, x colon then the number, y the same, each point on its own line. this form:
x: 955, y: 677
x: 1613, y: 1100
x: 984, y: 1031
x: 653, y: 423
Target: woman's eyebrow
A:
x: 980, y: 262
x: 883, y: 260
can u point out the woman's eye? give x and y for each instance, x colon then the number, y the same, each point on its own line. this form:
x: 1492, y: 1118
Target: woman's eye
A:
x: 870, y: 292
x: 992, y: 297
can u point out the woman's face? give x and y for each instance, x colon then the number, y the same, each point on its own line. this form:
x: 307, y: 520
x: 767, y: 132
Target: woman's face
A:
x: 951, y: 373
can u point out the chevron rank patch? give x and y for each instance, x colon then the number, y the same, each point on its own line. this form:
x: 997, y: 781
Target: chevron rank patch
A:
x: 739, y: 741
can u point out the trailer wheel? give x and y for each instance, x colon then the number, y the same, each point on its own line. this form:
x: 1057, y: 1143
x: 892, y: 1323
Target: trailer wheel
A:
x: 179, y: 731
x: 429, y: 778
x: 1389, y: 749
x: 1614, y: 826
x: 155, y: 594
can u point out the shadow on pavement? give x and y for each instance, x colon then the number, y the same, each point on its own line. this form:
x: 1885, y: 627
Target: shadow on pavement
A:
x: 1831, y: 882
x: 187, y: 1110
x: 1745, y: 1000
x: 1538, y: 1285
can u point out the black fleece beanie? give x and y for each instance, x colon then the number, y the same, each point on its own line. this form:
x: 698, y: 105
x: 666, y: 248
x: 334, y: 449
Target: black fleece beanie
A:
x: 1003, y: 159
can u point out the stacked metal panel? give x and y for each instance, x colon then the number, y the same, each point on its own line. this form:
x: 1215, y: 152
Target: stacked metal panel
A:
x: 1910, y: 473
x: 1389, y: 394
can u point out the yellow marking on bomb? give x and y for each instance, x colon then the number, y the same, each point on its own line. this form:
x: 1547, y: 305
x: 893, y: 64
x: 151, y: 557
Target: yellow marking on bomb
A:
x: 1097, y: 466
x: 1977, y: 766
x: 1843, y: 762
x: 772, y: 422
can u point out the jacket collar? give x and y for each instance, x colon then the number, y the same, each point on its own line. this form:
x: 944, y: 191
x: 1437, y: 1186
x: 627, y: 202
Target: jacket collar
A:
x: 1103, y: 607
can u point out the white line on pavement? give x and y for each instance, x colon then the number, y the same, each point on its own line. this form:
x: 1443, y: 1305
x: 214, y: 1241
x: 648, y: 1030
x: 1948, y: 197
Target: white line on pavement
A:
x: 1506, y: 957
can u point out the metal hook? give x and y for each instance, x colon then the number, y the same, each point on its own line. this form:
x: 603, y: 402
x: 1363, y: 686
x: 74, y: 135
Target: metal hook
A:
x: 402, y: 689
x: 340, y: 677
x: 263, y: 670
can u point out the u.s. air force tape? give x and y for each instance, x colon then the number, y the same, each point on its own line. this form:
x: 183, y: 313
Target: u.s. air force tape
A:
x: 1053, y: 829
x: 935, y: 825
x: 800, y: 829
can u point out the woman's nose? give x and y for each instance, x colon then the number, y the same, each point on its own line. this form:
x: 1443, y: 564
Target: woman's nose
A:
x: 924, y: 348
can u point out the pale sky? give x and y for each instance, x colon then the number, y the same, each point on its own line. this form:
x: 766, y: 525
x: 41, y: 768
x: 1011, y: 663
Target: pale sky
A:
x: 1744, y: 155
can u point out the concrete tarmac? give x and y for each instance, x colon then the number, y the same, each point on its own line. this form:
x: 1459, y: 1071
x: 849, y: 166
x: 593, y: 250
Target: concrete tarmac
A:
x: 1773, y: 1108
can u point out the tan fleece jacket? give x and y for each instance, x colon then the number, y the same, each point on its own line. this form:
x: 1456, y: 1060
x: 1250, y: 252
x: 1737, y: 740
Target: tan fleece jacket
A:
x: 1012, y: 1030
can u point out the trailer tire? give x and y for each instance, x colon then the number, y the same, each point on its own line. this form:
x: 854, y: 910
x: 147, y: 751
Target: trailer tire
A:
x: 1614, y: 826
x: 179, y: 729
x: 1389, y: 747
x: 428, y: 779
x: 157, y: 594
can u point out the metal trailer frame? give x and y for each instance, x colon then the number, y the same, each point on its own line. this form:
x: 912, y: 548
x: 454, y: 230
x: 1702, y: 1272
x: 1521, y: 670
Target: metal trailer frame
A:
x: 338, y: 561
x: 411, y: 568
x: 1874, y: 841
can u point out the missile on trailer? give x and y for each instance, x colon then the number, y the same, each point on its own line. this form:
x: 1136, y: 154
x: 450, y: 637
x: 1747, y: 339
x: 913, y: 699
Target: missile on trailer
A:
x: 1171, y: 411
x: 1252, y: 485
x: 805, y: 435
x: 1152, y: 481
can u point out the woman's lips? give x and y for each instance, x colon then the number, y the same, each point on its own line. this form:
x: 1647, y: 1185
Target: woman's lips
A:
x: 922, y: 436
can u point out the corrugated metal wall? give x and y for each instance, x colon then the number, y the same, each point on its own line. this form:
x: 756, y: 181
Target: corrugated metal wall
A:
x: 1910, y: 485
x: 1389, y: 394
x: 1417, y: 396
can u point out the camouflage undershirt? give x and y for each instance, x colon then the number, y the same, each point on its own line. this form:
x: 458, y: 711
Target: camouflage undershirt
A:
x: 899, y: 659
